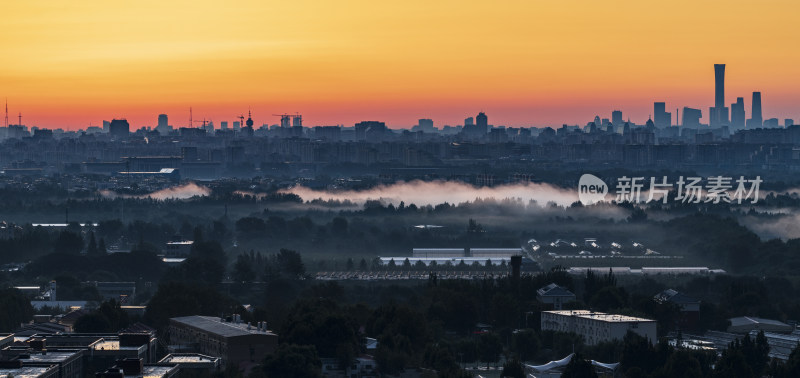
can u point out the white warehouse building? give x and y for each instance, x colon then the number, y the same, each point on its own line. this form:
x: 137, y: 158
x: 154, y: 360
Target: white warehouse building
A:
x: 495, y: 252
x: 438, y: 252
x: 597, y: 327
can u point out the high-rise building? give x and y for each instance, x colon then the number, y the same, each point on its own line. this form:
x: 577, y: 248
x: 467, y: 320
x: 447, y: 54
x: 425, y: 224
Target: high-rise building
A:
x: 477, y: 130
x: 119, y: 128
x: 771, y: 123
x: 378, y: 129
x: 286, y: 121
x: 482, y: 122
x: 788, y: 122
x: 662, y: 118
x: 756, y: 119
x: 719, y: 113
x: 162, y: 121
x: 424, y: 124
x: 223, y: 125
x: 469, y: 121
x: 237, y: 125
x: 719, y: 85
x: 616, y: 118
x: 163, y: 124
x: 691, y: 117
x: 297, y: 120
x: 718, y: 116
x: 737, y: 114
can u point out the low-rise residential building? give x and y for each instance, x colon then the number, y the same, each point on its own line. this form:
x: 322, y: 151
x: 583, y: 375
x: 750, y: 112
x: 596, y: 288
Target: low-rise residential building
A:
x: 597, y: 327
x: 135, y: 368
x: 555, y: 296
x: 98, y: 351
x: 69, y: 364
x: 233, y: 341
x: 689, y: 306
x: 29, y: 372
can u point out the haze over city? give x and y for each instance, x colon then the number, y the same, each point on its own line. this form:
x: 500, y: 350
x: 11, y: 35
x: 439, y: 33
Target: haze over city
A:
x: 524, y: 63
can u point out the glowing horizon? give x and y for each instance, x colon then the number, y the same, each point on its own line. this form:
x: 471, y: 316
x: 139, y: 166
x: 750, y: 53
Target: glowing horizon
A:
x: 525, y: 63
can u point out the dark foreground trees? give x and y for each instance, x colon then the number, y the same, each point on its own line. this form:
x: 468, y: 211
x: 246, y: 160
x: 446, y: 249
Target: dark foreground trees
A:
x: 15, y: 308
x: 109, y: 317
x: 293, y: 361
x: 175, y: 299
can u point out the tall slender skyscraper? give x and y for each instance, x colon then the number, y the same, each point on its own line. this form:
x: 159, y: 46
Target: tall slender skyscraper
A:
x: 756, y: 119
x: 737, y: 114
x: 719, y: 85
x: 719, y: 113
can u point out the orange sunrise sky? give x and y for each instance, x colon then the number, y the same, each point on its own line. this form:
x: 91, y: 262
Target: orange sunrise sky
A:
x: 525, y: 63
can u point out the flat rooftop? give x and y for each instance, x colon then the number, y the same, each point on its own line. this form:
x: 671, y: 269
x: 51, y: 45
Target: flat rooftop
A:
x: 152, y: 371
x: 213, y: 325
x: 112, y: 345
x: 186, y: 242
x: 600, y: 316
x: 188, y: 358
x: 24, y: 372
x: 54, y: 357
x: 173, y: 259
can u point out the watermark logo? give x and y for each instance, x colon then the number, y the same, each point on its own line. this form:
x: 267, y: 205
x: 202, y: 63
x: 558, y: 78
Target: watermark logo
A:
x: 591, y: 189
x: 690, y: 189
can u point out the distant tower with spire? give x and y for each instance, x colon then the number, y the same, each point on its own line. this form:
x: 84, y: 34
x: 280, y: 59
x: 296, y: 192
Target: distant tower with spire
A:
x: 247, y: 130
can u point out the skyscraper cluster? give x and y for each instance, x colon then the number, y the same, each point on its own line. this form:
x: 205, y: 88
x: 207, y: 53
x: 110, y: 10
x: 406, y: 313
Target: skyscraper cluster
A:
x: 719, y: 115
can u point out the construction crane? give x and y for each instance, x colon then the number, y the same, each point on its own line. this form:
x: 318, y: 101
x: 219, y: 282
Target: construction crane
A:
x: 284, y: 119
x: 203, y: 122
x: 241, y: 120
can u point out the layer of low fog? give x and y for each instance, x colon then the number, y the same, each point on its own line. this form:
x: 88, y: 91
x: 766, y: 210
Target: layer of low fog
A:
x: 184, y: 191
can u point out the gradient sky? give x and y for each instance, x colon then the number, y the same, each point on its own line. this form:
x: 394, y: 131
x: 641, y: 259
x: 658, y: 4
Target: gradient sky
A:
x: 529, y: 62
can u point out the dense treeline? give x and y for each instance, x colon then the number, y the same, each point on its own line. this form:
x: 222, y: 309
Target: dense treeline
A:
x: 434, y: 324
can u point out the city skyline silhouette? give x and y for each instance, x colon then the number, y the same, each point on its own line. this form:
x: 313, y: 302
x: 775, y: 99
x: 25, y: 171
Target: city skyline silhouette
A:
x: 525, y: 64
x: 716, y: 116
